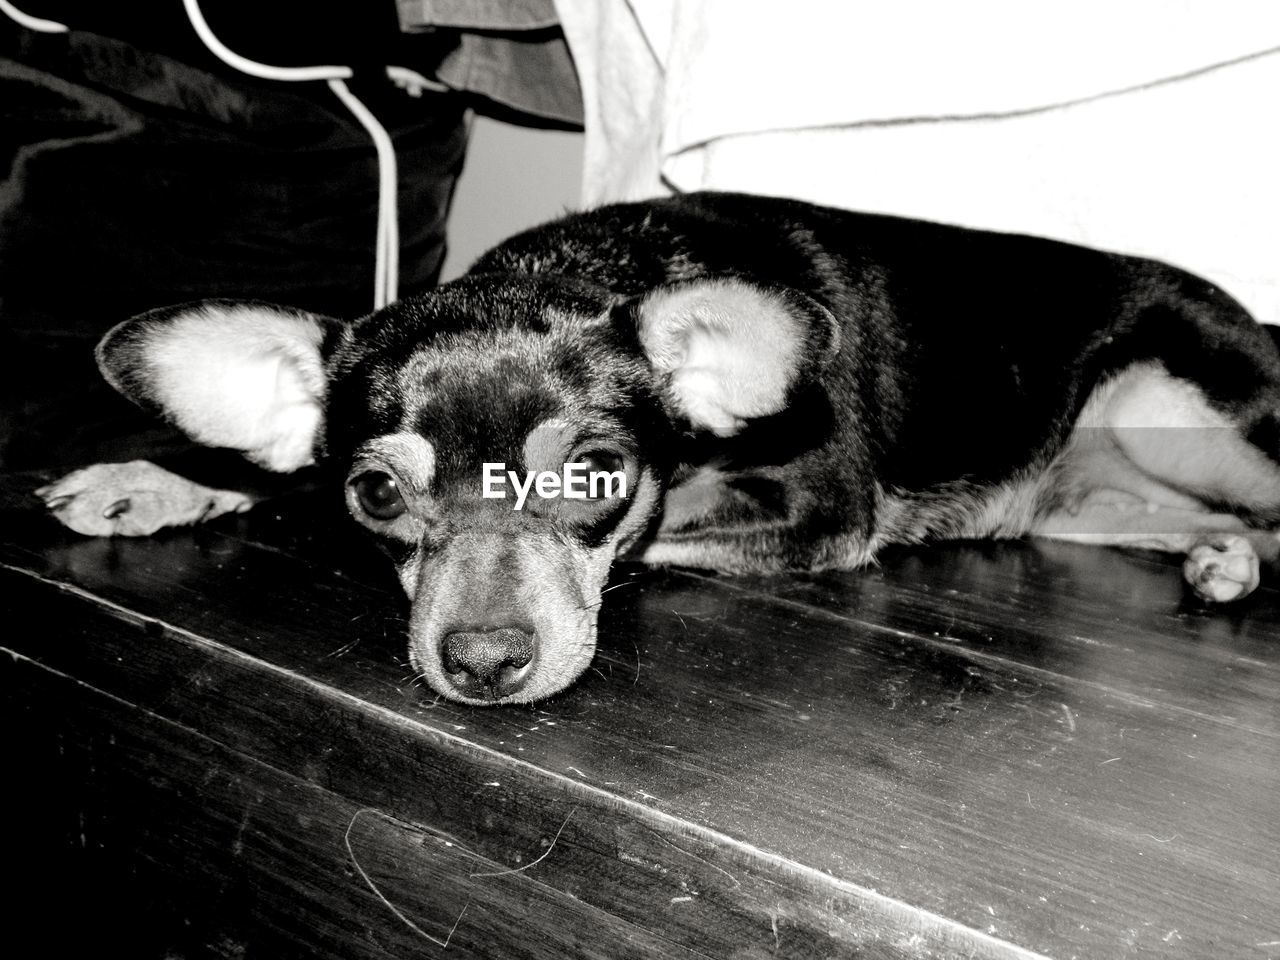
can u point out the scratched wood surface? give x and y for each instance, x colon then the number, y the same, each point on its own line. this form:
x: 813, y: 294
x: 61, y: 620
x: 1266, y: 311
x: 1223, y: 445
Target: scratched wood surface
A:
x: 974, y: 750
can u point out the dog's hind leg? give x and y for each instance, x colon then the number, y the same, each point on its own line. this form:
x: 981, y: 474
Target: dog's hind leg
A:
x: 1223, y: 554
x: 1171, y: 432
x: 1153, y: 463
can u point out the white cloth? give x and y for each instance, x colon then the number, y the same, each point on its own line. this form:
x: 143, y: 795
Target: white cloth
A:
x: 1149, y: 127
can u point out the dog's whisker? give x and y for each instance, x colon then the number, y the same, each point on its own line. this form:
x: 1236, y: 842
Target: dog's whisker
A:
x: 618, y: 586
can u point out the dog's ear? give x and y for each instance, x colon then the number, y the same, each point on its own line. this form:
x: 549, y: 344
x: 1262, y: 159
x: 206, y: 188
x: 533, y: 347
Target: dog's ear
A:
x: 244, y: 375
x: 726, y: 350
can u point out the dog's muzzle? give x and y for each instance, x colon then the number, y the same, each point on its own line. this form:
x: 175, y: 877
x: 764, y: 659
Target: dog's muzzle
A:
x: 506, y: 615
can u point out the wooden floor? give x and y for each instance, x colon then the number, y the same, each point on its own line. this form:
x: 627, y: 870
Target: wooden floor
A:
x: 974, y: 751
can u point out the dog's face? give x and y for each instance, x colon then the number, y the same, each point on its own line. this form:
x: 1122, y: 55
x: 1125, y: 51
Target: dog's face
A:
x: 455, y: 443
x: 503, y: 438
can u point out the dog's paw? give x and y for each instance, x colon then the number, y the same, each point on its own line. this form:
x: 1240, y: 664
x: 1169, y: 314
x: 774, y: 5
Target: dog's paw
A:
x: 134, y: 499
x: 1222, y: 567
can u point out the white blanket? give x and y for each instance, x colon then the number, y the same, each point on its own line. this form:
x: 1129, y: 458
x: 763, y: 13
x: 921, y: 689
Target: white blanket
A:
x: 1149, y: 127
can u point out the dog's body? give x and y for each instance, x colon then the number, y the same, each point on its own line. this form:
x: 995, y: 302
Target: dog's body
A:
x: 782, y: 386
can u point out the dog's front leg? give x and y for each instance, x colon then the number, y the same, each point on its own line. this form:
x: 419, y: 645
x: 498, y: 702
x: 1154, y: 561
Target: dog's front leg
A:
x: 240, y: 379
x: 135, y: 499
x: 759, y: 521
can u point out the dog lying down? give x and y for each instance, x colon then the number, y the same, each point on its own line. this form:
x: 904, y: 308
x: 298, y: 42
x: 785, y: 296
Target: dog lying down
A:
x: 724, y: 382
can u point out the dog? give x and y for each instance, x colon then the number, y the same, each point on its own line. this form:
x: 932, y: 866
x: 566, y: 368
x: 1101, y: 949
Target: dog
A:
x: 759, y: 384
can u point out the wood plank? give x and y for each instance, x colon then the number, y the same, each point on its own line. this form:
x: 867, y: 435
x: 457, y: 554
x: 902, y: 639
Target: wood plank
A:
x: 1072, y: 797
x: 672, y: 878
x: 286, y: 867
x: 1119, y: 619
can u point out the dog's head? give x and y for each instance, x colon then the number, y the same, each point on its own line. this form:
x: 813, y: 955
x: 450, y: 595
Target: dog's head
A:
x: 503, y: 438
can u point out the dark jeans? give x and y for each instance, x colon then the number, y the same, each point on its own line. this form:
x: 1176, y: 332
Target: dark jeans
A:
x: 131, y: 179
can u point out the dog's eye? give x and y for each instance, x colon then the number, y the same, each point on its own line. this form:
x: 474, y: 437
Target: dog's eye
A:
x: 600, y: 461
x: 379, y: 495
x: 605, y: 461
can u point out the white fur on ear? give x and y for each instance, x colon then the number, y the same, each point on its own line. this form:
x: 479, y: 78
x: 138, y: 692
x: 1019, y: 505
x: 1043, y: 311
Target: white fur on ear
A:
x: 245, y: 376
x: 731, y: 350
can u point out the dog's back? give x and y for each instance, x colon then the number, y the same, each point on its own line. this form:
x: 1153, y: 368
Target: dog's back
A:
x: 965, y: 360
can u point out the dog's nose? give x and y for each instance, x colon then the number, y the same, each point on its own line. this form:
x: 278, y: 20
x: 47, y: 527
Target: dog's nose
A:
x: 487, y: 663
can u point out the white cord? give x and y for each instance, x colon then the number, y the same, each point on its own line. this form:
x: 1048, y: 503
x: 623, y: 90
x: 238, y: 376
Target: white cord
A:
x: 30, y: 22
x: 263, y: 71
x: 386, y: 268
x: 387, y: 256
